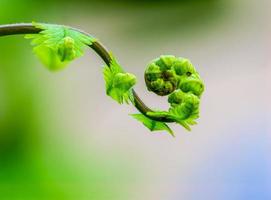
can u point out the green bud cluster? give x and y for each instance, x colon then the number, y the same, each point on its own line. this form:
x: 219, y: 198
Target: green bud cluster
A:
x: 185, y: 105
x: 178, y: 78
x: 168, y: 73
x: 160, y: 77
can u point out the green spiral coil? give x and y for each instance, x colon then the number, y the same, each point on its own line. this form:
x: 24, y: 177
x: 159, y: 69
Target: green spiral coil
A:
x: 168, y: 73
x: 179, y: 79
x: 58, y: 45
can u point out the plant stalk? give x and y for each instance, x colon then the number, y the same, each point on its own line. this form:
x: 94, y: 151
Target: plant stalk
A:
x: 28, y: 28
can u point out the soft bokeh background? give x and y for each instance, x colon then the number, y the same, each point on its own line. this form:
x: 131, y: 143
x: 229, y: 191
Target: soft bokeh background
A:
x: 61, y: 137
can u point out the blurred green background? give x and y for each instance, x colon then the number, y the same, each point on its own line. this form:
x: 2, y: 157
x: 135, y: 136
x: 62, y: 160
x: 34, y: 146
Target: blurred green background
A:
x: 61, y: 137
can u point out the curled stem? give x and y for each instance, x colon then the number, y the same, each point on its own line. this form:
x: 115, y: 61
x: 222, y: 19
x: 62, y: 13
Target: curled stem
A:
x: 29, y: 28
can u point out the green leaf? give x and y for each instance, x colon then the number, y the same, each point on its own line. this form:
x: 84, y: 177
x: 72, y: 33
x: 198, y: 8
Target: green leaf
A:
x: 151, y: 124
x: 183, y: 114
x: 118, y: 83
x: 56, y: 46
x: 169, y: 115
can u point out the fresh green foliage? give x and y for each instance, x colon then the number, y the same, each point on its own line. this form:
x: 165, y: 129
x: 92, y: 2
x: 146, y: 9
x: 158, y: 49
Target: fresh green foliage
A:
x: 168, y: 75
x: 151, y: 124
x: 118, y: 83
x: 56, y: 46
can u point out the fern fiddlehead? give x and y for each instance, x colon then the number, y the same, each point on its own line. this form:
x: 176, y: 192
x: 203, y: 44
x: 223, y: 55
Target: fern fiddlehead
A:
x: 57, y: 45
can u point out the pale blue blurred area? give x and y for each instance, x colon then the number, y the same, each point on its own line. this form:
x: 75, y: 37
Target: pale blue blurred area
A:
x: 238, y: 170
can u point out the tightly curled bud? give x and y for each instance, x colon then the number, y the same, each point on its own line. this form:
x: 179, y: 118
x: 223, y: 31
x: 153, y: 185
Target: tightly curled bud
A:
x: 190, y: 80
x: 160, y: 76
x: 178, y: 78
x: 176, y: 98
x: 183, y: 66
x: 168, y: 73
x: 190, y: 107
x: 192, y: 84
x: 185, y: 105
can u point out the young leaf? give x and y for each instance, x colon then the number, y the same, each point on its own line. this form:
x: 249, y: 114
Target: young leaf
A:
x: 151, y: 124
x: 183, y: 114
x: 56, y: 46
x: 118, y: 83
x: 172, y: 116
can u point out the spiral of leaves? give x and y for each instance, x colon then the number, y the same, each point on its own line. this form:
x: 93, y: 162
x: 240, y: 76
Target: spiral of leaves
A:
x: 177, y: 78
x: 58, y: 45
